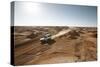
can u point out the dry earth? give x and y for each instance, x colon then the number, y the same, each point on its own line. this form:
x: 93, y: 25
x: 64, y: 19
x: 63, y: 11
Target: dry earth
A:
x: 71, y: 45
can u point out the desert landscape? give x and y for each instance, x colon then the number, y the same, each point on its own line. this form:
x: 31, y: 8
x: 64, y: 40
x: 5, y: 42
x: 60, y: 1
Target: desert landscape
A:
x: 66, y: 44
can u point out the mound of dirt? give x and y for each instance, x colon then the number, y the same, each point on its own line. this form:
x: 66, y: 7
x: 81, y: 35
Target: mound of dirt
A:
x: 73, y: 34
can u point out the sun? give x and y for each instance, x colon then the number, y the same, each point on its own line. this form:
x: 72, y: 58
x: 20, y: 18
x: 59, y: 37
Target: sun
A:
x: 32, y: 8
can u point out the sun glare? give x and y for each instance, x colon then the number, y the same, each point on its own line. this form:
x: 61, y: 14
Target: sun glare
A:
x: 32, y: 8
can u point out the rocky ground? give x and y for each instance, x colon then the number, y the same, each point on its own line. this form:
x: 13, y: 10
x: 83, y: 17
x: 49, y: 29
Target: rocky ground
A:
x: 77, y: 45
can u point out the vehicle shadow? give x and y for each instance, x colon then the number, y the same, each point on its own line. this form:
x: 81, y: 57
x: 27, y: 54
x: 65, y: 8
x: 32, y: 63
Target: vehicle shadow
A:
x: 49, y: 42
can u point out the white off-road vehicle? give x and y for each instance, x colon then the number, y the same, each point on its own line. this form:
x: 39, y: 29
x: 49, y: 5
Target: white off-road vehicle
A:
x: 46, y: 39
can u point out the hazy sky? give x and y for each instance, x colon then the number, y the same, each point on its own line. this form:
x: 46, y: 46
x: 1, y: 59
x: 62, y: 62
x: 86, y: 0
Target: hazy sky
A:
x: 44, y: 14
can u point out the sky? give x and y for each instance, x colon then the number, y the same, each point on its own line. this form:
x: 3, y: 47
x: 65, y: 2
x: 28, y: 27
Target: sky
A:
x: 47, y: 14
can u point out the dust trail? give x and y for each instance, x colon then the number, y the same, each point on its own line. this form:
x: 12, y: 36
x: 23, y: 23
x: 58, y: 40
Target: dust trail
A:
x: 63, y: 32
x: 60, y: 33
